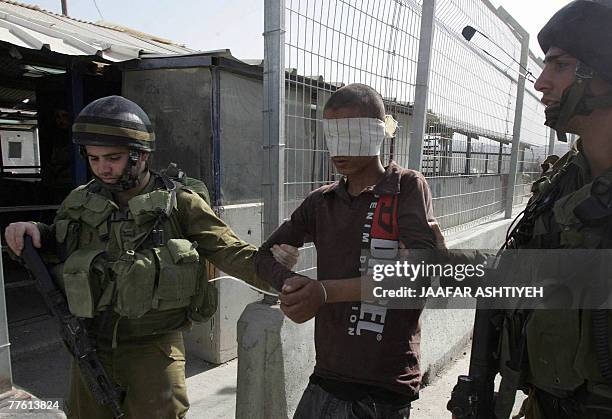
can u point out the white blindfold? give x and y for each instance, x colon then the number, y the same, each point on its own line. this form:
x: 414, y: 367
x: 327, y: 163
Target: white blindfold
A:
x: 357, y: 136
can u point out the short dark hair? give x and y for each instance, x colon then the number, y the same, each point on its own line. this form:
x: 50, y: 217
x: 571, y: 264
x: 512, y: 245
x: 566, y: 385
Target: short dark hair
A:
x: 358, y: 96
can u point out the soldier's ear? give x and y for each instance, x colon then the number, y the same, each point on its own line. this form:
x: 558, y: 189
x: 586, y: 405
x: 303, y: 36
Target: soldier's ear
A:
x: 144, y: 156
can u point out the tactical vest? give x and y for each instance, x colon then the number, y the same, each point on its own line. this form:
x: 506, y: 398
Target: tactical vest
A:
x: 560, y: 343
x: 133, y: 260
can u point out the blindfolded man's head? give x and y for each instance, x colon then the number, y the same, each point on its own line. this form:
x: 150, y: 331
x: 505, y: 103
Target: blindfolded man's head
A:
x: 354, y: 122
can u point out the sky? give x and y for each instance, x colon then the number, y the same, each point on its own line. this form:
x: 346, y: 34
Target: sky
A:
x: 236, y: 24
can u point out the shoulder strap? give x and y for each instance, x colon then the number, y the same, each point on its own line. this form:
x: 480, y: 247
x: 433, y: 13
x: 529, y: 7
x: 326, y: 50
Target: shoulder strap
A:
x: 91, y: 186
x: 598, y: 205
x: 183, y: 181
x: 197, y: 186
x: 380, y: 234
x: 521, y: 228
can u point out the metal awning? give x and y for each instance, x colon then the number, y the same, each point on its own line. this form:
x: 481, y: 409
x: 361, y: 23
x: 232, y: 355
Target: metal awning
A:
x: 35, y: 28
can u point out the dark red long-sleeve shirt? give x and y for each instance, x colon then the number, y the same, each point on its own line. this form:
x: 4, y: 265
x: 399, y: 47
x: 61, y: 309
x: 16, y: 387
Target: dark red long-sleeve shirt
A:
x: 358, y: 342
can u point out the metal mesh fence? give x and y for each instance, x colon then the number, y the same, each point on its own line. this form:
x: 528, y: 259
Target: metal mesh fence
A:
x: 329, y: 44
x: 535, y: 137
x: 332, y: 43
x: 529, y: 170
x: 472, y: 94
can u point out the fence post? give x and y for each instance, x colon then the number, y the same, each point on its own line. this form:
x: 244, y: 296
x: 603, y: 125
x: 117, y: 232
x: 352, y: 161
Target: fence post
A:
x: 274, y: 115
x: 523, y: 36
x: 6, y: 375
x: 421, y: 93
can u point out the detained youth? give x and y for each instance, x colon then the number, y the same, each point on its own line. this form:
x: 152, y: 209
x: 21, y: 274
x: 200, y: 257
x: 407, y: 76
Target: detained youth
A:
x: 366, y: 354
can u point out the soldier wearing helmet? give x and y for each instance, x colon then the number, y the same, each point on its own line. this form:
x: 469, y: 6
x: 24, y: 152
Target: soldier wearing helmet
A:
x: 131, y: 245
x: 578, y: 72
x: 116, y: 122
x: 561, y: 358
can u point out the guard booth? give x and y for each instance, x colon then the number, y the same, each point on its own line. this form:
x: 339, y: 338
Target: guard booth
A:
x: 206, y: 110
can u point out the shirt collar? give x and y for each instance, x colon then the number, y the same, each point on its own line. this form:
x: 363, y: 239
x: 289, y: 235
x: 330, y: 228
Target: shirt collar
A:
x: 389, y: 184
x: 150, y: 187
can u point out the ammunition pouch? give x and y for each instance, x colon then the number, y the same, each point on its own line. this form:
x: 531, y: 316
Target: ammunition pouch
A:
x: 83, y: 276
x: 582, y: 214
x: 179, y: 270
x: 135, y: 261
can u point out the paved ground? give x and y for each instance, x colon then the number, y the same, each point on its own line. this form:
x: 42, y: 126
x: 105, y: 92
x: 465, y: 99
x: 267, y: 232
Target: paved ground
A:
x: 40, y: 365
x: 212, y: 389
x: 432, y: 399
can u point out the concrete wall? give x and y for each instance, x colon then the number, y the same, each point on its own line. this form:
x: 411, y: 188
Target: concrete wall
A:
x: 215, y: 340
x: 240, y: 113
x: 181, y: 120
x: 445, y: 332
x: 459, y: 200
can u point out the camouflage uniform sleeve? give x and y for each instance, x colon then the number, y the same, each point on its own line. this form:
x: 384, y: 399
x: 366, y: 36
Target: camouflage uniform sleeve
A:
x: 48, y: 249
x: 294, y: 232
x: 216, y: 241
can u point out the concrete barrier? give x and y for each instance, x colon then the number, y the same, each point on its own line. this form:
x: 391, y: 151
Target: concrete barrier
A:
x: 276, y: 356
x: 275, y: 359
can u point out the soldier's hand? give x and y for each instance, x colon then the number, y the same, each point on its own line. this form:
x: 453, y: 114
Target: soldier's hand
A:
x: 301, y: 298
x: 14, y: 235
x: 286, y: 255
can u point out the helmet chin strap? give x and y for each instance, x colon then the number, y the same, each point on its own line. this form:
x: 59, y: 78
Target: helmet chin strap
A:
x: 130, y: 178
x: 578, y: 99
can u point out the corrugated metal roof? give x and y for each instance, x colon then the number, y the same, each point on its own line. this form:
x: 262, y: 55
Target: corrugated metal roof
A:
x: 32, y: 27
x: 10, y: 94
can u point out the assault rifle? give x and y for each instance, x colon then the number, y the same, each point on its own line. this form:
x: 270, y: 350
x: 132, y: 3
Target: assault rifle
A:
x: 473, y: 395
x: 73, y: 332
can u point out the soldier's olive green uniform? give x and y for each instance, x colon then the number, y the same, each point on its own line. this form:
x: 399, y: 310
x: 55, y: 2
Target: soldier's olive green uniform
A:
x: 569, y: 367
x: 138, y: 275
x: 561, y: 352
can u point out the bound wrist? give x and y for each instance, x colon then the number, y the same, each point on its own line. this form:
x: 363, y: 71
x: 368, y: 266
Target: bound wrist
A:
x: 324, y: 292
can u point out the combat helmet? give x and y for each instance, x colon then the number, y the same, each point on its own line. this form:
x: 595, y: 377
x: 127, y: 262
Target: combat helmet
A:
x: 583, y: 29
x: 116, y: 121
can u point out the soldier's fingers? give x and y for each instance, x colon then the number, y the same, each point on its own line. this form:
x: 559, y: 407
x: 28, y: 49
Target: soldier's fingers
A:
x: 8, y: 237
x: 291, y: 255
x: 284, y: 256
x: 292, y: 250
x: 18, y: 239
x: 279, y: 254
x: 33, y: 231
x: 14, y: 238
